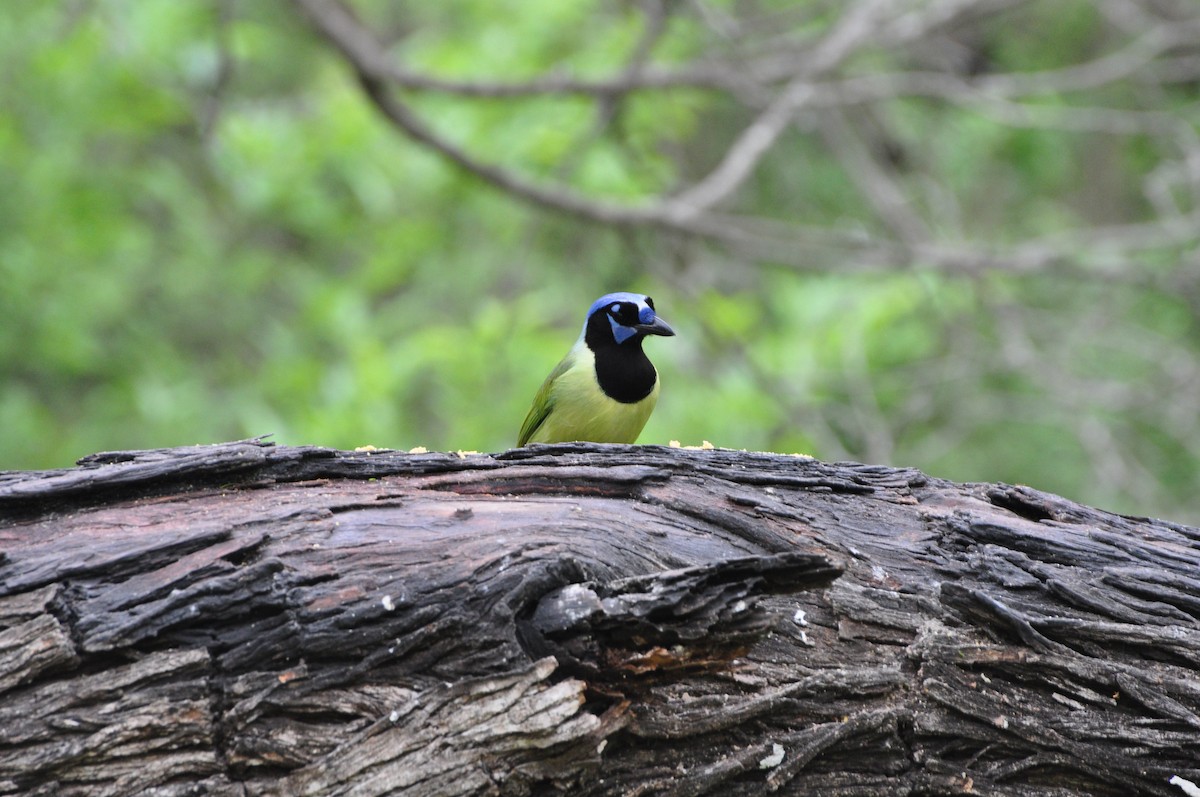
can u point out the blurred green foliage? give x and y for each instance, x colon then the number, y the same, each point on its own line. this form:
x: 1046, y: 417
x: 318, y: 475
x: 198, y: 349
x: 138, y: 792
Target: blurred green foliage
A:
x: 208, y: 233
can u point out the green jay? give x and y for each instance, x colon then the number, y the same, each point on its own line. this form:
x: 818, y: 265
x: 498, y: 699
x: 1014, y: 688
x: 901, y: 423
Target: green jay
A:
x: 605, y: 388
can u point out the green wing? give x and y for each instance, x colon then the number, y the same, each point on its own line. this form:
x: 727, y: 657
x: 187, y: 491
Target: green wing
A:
x: 543, y: 402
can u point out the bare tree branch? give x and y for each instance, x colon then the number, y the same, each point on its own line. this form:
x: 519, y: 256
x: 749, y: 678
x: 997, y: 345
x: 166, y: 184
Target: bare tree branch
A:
x: 747, y: 151
x: 608, y: 106
x: 684, y: 212
x: 359, y: 47
x: 875, y: 183
x: 211, y: 113
x: 1141, y: 55
x: 812, y: 83
x: 772, y: 68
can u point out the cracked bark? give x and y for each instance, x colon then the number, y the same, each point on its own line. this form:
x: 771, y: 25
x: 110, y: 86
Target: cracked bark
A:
x: 247, y: 619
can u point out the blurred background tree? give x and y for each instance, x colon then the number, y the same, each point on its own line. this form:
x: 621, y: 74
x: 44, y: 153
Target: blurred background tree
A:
x: 956, y: 234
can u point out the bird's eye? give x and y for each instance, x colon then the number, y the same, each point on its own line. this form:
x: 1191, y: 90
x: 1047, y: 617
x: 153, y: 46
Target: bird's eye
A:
x: 616, y: 308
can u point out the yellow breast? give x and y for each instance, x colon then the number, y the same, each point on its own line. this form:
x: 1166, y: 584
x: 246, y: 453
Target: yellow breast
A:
x: 581, y: 411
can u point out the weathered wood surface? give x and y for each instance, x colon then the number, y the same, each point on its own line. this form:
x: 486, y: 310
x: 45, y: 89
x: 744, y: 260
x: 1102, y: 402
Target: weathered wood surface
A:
x: 246, y: 619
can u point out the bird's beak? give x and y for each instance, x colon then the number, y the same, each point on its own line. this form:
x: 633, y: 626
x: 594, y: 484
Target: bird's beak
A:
x: 656, y: 327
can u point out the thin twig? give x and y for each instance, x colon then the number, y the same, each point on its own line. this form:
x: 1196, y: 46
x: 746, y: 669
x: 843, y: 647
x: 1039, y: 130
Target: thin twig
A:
x: 876, y: 184
x: 209, y: 118
x: 693, y: 211
x: 751, y: 146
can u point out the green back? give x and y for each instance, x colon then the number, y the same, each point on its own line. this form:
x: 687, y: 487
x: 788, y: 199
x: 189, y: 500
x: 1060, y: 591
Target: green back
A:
x: 543, y: 402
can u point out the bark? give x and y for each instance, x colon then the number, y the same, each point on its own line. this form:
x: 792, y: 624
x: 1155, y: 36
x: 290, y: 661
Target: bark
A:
x: 248, y: 619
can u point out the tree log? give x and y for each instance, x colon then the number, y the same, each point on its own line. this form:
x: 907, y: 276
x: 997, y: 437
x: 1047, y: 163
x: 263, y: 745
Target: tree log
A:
x: 250, y: 619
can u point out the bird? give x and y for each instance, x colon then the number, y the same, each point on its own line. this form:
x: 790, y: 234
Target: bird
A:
x: 604, y: 390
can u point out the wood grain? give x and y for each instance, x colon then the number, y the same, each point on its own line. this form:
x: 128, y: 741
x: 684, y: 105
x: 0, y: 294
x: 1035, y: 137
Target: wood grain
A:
x: 250, y: 619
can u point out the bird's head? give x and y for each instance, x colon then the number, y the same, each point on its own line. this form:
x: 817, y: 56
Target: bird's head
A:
x: 620, y: 317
